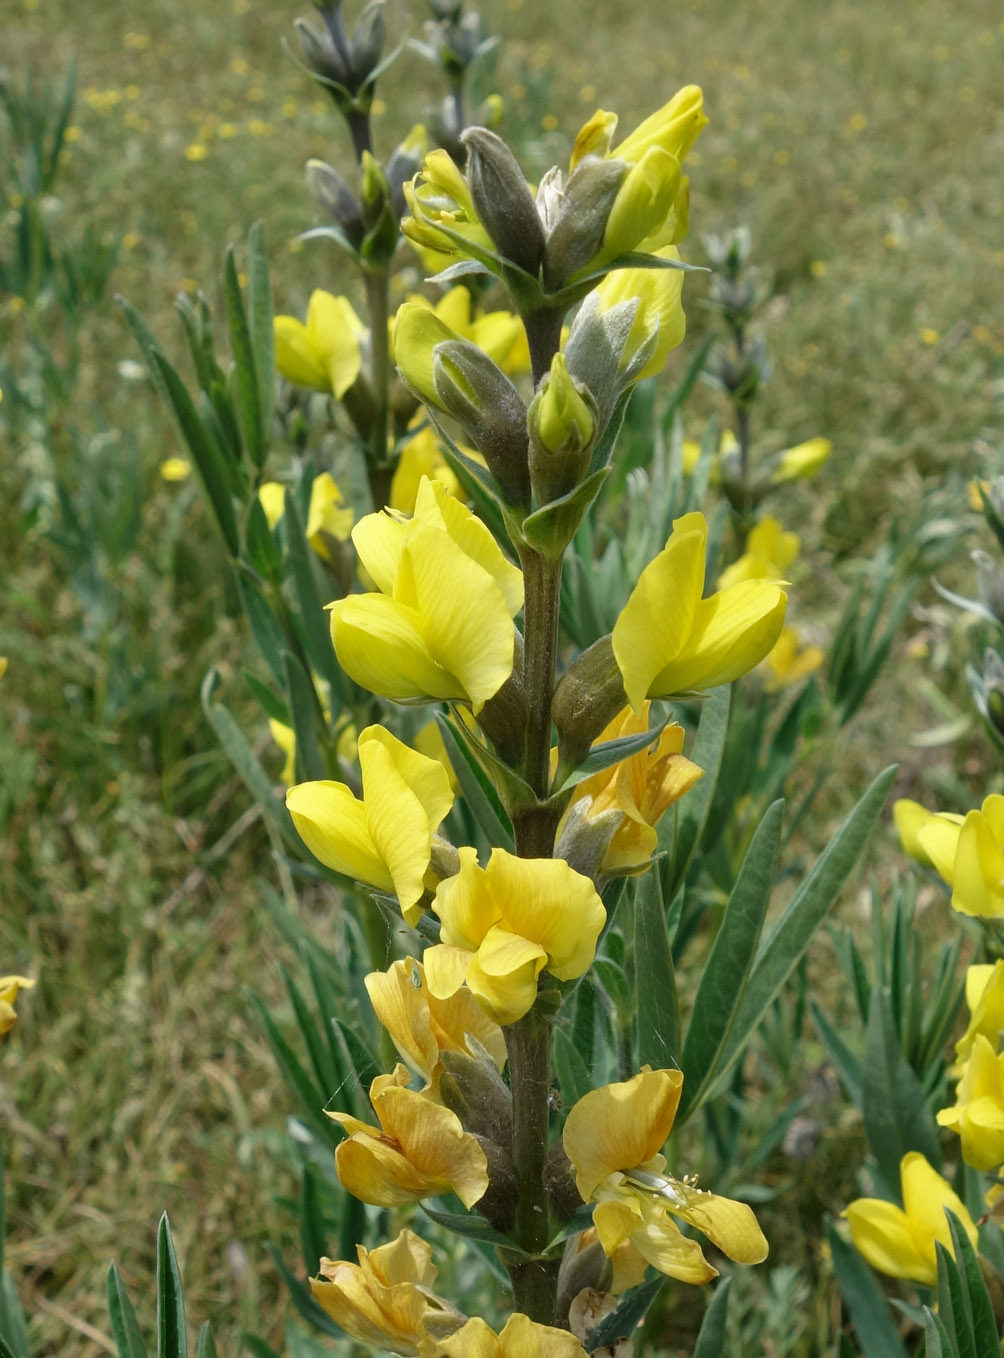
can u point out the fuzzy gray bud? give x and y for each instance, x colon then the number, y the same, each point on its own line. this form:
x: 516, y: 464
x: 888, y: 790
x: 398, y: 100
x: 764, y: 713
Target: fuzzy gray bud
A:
x: 503, y: 199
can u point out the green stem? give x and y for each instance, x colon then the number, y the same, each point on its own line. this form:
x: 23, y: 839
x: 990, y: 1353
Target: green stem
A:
x: 528, y: 1044
x: 542, y: 586
x: 378, y: 464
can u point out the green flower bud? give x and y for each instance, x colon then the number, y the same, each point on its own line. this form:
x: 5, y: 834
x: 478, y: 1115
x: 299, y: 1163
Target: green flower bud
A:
x: 337, y: 199
x: 503, y: 199
x: 367, y: 43
x: 562, y: 426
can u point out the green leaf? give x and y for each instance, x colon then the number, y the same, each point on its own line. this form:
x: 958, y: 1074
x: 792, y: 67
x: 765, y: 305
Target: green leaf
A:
x: 694, y: 809
x: 610, y: 752
x: 305, y: 710
x: 269, y: 701
x: 952, y: 1305
x: 7, y: 1352
x: 847, y: 1064
x: 325, y: 1070
x: 148, y: 345
x: 571, y: 1069
x: 711, y: 1340
x: 247, y: 375
x: 473, y: 1227
x: 727, y: 971
x: 172, y: 1338
x: 621, y: 1324
x: 314, y: 622
x: 550, y: 529
x: 313, y: 1233
x: 895, y: 1112
x: 260, y: 544
x: 12, y: 1317
x: 125, y: 1327
x: 303, y: 1300
x: 207, y: 1344
x: 657, y: 1008
x: 311, y: 1100
x: 481, y: 798
x: 262, y: 323
x: 268, y: 635
x: 865, y: 1302
x: 937, y: 1342
x: 208, y: 459
x: 781, y: 951
x: 232, y: 738
x: 979, y: 1307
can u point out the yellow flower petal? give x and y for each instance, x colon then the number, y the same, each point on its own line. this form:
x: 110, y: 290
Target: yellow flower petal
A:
x: 295, y: 355
x: 547, y: 902
x: 730, y: 1225
x: 379, y: 643
x: 620, y: 1126
x: 978, y: 871
x: 732, y: 631
x: 881, y: 1233
x: 332, y: 823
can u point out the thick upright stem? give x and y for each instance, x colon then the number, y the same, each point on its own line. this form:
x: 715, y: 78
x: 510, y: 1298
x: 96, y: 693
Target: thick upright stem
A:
x: 542, y: 586
x: 359, y: 130
x: 528, y: 1045
x: 378, y: 304
x: 543, y: 333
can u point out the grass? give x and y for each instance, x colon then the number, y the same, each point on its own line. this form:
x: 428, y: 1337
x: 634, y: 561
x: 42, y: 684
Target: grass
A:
x: 861, y: 146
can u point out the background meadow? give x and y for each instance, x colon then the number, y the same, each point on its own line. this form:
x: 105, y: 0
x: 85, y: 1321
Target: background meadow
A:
x: 861, y: 146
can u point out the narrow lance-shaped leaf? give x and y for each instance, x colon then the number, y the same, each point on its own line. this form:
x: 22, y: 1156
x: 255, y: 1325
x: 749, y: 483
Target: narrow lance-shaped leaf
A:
x: 313, y: 620
x: 305, y: 710
x: 692, y: 811
x: 869, y: 1313
x: 172, y: 1338
x: 244, y: 361
x: 723, y: 983
x: 262, y: 323
x: 656, y: 1005
x: 896, y: 1116
x: 125, y: 1327
x: 711, y: 1340
x: 780, y: 952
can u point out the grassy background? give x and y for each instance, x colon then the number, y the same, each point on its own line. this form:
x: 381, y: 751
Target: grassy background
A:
x: 860, y: 143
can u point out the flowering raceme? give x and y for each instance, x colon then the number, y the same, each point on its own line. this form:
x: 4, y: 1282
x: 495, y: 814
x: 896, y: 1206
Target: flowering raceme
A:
x: 324, y: 353
x: 505, y: 924
x: 612, y: 1137
x: 668, y: 639
x: 419, y: 1150
x: 899, y: 1241
x: 441, y: 625
x: 385, y: 839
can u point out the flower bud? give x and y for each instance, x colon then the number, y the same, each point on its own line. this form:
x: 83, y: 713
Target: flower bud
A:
x: 993, y: 689
x: 577, y: 215
x: 644, y: 202
x: 381, y: 220
x: 320, y: 52
x: 404, y: 163
x: 474, y: 1090
x: 562, y: 428
x: 447, y: 11
x: 503, y: 199
x: 585, y: 840
x: 367, y: 43
x: 589, y: 695
x: 559, y: 1183
x: 337, y: 199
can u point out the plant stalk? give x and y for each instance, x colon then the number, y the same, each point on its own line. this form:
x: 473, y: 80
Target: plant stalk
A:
x: 379, y: 468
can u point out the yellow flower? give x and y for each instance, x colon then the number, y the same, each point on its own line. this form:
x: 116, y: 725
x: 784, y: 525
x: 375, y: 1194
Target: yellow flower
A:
x: 967, y: 852
x: 910, y: 818
x: 790, y: 661
x: 612, y: 1137
x: 727, y: 443
x: 637, y: 791
x: 421, y: 456
x: 385, y: 839
x: 668, y: 639
x: 441, y: 626
x: 419, y: 1150
x: 505, y: 924
x: 659, y: 293
x: 802, y: 461
x: 328, y: 516
x: 521, y: 1338
x: 499, y: 333
x: 325, y: 353
x: 175, y: 469
x: 673, y: 128
x: 285, y: 737
x: 422, y: 1027
x: 978, y: 1112
x: 985, y: 998
x: 899, y: 1241
x: 443, y: 217
x: 9, y: 987
x: 385, y: 1299
x: 769, y: 552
